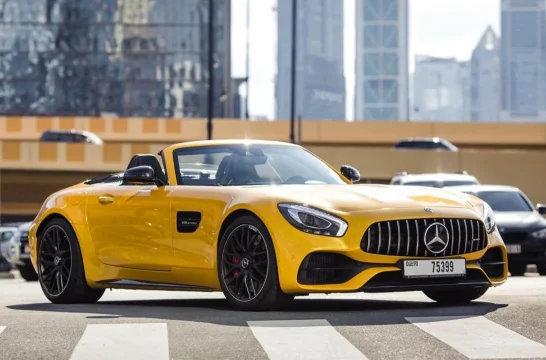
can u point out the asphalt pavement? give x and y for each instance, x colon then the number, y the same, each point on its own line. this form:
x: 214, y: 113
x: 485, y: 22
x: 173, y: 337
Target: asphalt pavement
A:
x: 509, y: 322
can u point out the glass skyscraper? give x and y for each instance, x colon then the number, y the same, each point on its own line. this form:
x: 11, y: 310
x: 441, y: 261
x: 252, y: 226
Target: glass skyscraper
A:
x: 523, y: 60
x: 122, y: 57
x: 381, y: 84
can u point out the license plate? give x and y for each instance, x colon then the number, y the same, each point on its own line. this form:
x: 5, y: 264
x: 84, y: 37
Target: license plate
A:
x: 434, y: 268
x: 513, y: 249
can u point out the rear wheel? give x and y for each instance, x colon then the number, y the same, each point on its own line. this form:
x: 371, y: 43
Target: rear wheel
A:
x: 27, y: 272
x: 456, y: 296
x: 60, y: 266
x: 247, y: 267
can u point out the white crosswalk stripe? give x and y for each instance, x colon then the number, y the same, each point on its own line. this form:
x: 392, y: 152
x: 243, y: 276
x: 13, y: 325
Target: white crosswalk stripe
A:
x: 474, y: 337
x: 119, y: 341
x: 479, y: 338
x: 303, y: 339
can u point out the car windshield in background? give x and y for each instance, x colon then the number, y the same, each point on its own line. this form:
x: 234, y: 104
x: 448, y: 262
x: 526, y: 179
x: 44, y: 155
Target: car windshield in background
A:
x: 439, y: 184
x: 237, y: 165
x: 505, y: 200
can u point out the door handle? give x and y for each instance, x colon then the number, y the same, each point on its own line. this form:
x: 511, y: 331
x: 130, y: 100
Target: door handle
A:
x: 106, y: 199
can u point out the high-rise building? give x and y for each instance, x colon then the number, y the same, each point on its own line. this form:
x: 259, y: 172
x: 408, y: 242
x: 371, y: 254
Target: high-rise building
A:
x: 119, y: 57
x: 320, y: 81
x: 381, y: 82
x: 485, y: 79
x: 439, y: 89
x: 523, y: 60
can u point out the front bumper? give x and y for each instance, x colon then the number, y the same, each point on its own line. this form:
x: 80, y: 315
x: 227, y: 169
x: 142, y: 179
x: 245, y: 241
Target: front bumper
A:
x: 319, y: 264
x: 524, y: 248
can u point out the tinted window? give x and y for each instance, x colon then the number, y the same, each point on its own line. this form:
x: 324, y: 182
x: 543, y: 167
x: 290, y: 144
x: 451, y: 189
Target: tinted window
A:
x: 460, y: 182
x: 505, y: 200
x: 233, y: 165
x: 423, y: 183
x: 419, y: 145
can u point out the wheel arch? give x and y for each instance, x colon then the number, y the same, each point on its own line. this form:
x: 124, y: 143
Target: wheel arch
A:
x: 230, y: 219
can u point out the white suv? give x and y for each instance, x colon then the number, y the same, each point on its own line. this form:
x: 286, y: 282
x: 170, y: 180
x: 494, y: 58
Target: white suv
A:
x: 438, y: 180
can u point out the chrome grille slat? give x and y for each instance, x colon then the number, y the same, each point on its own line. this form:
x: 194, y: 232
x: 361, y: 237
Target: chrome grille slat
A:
x: 380, y: 237
x: 398, y: 246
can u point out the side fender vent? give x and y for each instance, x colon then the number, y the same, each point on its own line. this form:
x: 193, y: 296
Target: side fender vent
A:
x: 187, y: 221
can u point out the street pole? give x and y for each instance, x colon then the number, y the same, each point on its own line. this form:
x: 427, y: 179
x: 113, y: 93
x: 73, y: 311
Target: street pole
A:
x: 293, y: 80
x: 211, y: 70
x: 247, y: 57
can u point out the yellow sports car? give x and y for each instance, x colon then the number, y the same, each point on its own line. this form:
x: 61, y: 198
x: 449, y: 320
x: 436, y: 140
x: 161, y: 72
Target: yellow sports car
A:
x: 263, y: 222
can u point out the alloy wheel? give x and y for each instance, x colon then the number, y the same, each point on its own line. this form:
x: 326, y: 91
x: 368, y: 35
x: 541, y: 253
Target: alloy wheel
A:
x: 245, y: 263
x: 55, y: 260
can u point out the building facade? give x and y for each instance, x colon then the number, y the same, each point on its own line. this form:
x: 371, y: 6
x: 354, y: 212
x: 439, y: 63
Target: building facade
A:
x: 439, y: 90
x: 485, y: 79
x: 112, y: 57
x: 320, y: 81
x: 381, y: 67
x: 523, y: 61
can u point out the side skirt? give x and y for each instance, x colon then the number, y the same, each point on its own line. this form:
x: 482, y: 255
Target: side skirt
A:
x: 148, y: 285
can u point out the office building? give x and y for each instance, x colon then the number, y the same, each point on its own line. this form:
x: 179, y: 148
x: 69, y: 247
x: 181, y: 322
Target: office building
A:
x: 381, y: 81
x: 320, y: 82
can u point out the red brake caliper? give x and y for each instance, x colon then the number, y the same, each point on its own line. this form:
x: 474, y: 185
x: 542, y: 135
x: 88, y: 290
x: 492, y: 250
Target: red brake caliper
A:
x: 235, y: 261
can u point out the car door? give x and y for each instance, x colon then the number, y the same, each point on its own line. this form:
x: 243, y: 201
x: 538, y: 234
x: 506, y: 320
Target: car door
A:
x: 130, y: 226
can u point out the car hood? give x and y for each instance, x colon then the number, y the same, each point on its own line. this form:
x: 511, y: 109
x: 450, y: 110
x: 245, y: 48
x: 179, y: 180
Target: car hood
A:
x: 349, y: 198
x: 519, y: 220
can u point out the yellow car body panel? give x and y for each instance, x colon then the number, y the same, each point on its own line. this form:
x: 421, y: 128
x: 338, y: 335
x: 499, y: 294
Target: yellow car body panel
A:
x: 130, y: 232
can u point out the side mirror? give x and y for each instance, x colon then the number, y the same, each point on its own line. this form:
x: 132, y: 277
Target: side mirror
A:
x: 350, y: 173
x: 141, y: 175
x: 541, y: 208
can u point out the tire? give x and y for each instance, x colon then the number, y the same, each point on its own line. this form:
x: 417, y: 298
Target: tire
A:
x: 517, y: 269
x: 27, y: 272
x: 75, y: 290
x: 541, y: 268
x: 457, y: 296
x: 269, y: 296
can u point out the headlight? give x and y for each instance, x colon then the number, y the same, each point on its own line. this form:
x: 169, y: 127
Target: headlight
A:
x: 313, y: 221
x: 488, y: 218
x: 540, y: 234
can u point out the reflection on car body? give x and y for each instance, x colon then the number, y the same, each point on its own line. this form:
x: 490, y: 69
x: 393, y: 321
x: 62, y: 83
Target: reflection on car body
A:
x: 263, y: 222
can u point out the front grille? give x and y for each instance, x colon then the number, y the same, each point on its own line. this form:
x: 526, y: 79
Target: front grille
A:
x: 406, y: 237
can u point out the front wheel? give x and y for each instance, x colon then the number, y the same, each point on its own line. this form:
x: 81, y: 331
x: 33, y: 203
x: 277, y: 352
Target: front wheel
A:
x: 60, y: 266
x: 457, y: 296
x: 247, y: 267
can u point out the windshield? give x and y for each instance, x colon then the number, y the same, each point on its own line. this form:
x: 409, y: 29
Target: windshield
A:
x: 256, y: 164
x: 505, y: 200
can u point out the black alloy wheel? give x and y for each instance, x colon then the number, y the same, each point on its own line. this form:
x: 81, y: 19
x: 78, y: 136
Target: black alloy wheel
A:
x: 245, y: 263
x: 60, y: 266
x: 247, y: 267
x: 55, y: 260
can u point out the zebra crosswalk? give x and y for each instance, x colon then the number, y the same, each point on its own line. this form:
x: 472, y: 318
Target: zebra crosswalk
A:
x: 470, y: 337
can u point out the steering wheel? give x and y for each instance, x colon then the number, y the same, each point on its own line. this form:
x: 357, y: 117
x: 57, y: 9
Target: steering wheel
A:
x: 295, y: 180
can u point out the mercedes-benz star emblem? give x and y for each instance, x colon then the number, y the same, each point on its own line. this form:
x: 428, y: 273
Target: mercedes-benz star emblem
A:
x: 427, y: 209
x: 244, y: 263
x: 436, y: 238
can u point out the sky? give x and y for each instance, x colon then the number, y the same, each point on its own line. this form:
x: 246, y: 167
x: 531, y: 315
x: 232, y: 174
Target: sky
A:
x: 444, y: 28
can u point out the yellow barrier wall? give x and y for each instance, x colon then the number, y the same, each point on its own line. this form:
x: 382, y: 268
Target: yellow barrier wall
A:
x: 31, y: 170
x: 313, y: 132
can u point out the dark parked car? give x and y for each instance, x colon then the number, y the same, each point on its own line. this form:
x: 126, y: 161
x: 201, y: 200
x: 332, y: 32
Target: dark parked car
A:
x: 521, y: 225
x: 71, y: 136
x: 424, y: 143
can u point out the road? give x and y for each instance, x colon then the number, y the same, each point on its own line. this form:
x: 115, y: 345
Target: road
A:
x: 508, y: 322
